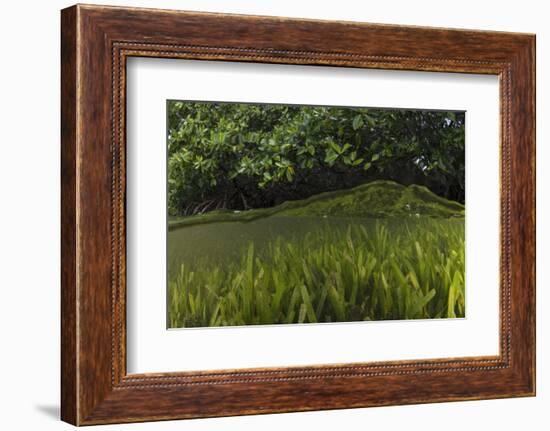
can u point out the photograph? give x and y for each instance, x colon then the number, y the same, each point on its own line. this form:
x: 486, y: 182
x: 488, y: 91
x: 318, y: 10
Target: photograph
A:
x: 288, y: 212
x: 301, y: 214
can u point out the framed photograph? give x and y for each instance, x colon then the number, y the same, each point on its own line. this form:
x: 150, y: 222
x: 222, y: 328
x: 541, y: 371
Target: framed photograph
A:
x: 264, y: 214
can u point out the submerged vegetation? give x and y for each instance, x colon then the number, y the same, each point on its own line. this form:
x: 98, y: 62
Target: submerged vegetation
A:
x: 414, y: 270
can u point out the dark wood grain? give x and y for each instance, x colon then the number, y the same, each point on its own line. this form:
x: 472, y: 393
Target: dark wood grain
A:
x: 69, y: 397
x: 96, y: 41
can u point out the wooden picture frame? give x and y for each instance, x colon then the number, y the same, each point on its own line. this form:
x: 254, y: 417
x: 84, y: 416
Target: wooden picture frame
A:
x: 95, y: 43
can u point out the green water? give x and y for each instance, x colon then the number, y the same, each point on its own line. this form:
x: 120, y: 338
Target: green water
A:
x: 224, y: 242
x: 315, y: 269
x: 377, y: 199
x: 376, y: 252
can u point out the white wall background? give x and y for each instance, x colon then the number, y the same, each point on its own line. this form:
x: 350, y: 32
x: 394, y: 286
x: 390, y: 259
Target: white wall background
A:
x: 29, y: 227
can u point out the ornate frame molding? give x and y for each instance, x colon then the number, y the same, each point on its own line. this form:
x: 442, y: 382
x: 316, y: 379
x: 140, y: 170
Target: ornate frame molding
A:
x: 96, y: 41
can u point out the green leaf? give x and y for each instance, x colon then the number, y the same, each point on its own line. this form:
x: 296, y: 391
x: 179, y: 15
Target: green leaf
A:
x: 309, y: 307
x: 357, y: 122
x: 288, y: 174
